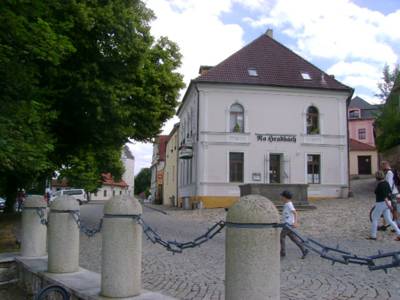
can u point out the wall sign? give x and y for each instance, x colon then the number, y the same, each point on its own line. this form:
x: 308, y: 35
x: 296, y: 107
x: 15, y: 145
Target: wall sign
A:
x: 185, y: 152
x: 267, y: 137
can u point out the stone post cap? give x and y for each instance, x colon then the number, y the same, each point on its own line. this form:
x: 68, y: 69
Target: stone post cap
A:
x: 253, y: 209
x: 64, y: 202
x: 35, y: 201
x: 123, y: 205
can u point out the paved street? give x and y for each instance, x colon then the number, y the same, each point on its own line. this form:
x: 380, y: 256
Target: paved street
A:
x: 199, y: 273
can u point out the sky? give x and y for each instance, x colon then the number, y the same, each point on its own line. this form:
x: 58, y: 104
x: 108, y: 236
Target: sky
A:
x: 351, y: 39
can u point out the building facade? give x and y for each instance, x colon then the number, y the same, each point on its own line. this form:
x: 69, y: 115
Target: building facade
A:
x: 263, y: 115
x: 157, y: 169
x: 363, y: 153
x: 170, y: 186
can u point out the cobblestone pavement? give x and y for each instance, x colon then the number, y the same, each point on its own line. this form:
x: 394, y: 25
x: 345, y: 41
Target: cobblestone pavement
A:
x: 199, y: 273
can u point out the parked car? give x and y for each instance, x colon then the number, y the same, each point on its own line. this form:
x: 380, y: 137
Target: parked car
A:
x: 2, y: 204
x: 78, y: 194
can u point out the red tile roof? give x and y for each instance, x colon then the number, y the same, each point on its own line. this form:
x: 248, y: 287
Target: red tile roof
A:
x: 63, y: 183
x: 107, y: 179
x: 275, y: 64
x: 358, y: 146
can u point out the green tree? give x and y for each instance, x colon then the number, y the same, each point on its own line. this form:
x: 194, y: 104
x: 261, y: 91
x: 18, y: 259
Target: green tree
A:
x: 388, y: 79
x: 388, y: 122
x: 78, y: 79
x: 143, y: 181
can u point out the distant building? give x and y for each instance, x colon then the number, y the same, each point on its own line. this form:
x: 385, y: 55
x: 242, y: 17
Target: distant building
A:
x: 363, y: 153
x: 170, y: 186
x: 263, y: 115
x: 109, y: 187
x: 157, y: 168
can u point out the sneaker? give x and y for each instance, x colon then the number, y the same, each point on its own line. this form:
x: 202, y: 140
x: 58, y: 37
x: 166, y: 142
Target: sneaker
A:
x: 305, y: 252
x: 382, y: 228
x: 371, y: 238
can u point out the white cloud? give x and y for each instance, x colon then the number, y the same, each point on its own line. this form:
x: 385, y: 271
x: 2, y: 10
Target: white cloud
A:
x: 369, y: 98
x: 203, y: 40
x: 358, y: 74
x: 196, y: 27
x: 335, y: 29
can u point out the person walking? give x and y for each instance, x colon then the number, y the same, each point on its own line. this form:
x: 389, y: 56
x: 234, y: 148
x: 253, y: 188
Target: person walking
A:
x: 382, y: 206
x: 289, y: 217
x: 389, y: 177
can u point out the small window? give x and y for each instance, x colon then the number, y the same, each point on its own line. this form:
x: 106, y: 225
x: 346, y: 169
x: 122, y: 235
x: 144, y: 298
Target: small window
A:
x: 305, y: 76
x: 312, y: 120
x: 313, y: 169
x: 236, y: 163
x: 362, y: 134
x: 105, y: 193
x: 252, y: 72
x: 236, y: 118
x: 120, y: 192
x: 113, y: 192
x: 95, y: 194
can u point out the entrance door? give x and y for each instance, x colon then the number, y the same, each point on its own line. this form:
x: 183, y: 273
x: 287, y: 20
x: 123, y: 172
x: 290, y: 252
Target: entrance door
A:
x: 364, y: 165
x: 275, y: 168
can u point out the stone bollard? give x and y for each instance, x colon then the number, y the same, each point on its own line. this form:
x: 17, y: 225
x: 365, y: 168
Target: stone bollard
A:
x: 63, y: 236
x: 252, y: 262
x: 122, y: 248
x: 34, y: 233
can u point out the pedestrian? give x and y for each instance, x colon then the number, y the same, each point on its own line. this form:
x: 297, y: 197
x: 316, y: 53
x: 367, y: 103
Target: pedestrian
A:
x: 389, y: 177
x: 20, y: 199
x: 290, y: 217
x: 382, y: 206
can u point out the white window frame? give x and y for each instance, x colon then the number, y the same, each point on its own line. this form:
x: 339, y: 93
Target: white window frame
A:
x: 306, y: 167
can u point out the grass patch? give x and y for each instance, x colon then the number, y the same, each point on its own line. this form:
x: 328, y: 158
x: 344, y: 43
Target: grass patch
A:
x: 9, y: 226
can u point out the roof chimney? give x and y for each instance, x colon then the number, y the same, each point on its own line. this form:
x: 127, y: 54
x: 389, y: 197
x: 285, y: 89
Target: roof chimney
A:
x: 270, y: 33
x: 204, y: 69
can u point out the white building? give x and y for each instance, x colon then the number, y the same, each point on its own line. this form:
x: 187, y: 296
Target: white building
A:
x: 263, y: 115
x: 126, y: 185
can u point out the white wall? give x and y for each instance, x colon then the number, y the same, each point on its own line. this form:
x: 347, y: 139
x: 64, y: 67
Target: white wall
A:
x: 273, y: 111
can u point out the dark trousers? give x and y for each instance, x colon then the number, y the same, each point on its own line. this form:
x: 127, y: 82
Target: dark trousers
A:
x: 286, y: 232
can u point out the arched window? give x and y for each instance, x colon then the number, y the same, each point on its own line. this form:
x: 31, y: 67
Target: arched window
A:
x: 236, y: 118
x: 312, y: 120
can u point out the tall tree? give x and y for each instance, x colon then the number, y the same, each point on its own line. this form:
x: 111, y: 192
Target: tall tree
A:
x: 142, y: 181
x: 78, y: 78
x: 388, y: 122
x: 388, y: 79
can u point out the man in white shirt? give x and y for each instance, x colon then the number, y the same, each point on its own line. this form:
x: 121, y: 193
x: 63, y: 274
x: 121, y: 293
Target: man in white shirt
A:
x: 389, y: 178
x: 289, y: 216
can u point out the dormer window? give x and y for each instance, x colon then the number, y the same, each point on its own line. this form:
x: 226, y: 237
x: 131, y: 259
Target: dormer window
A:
x: 252, y: 72
x: 305, y: 76
x: 354, y: 114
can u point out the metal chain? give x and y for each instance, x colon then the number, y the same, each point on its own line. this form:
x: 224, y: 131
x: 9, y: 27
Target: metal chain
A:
x: 178, y: 247
x: 83, y: 228
x: 336, y: 255
x: 41, y: 213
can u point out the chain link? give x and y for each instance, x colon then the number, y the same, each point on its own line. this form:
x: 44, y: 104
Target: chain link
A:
x: 41, y: 212
x: 90, y: 232
x: 335, y: 255
x: 178, y: 247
